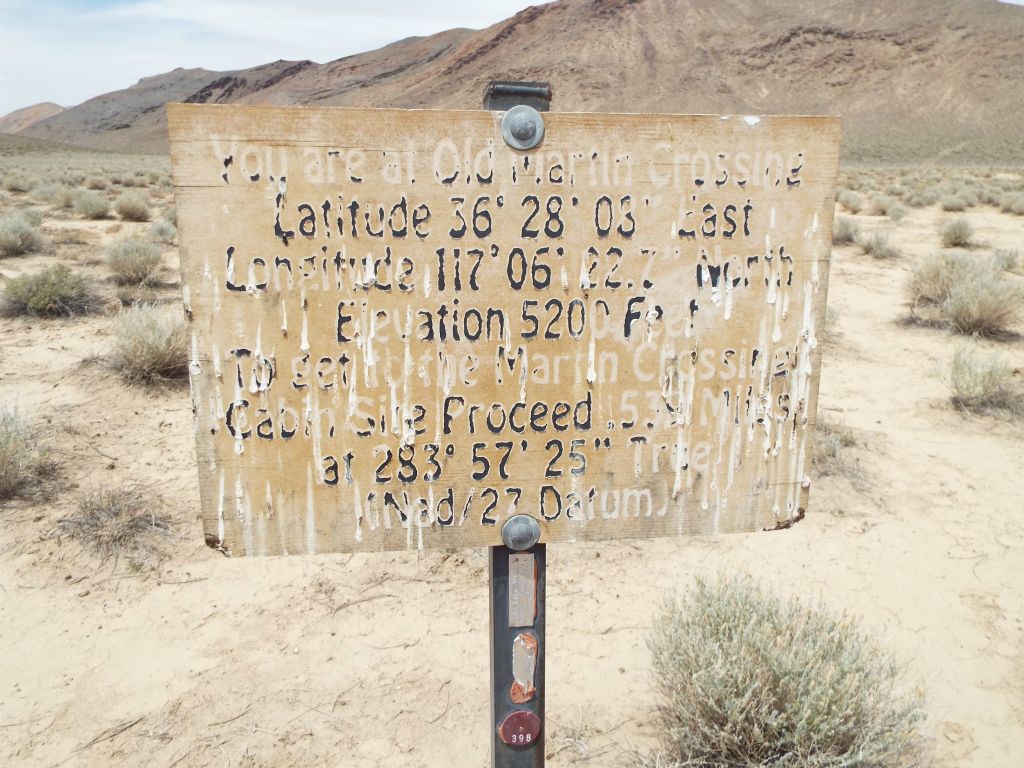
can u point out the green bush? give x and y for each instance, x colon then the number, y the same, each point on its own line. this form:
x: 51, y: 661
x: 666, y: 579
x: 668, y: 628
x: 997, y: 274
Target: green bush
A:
x: 747, y: 679
x: 19, y: 234
x: 979, y: 385
x: 23, y: 456
x: 51, y: 292
x: 957, y: 234
x: 133, y: 262
x: 91, y: 205
x: 132, y: 207
x: 150, y: 345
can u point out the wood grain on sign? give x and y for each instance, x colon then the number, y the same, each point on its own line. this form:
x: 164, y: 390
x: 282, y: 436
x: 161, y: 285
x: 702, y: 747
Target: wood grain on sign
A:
x: 403, y: 331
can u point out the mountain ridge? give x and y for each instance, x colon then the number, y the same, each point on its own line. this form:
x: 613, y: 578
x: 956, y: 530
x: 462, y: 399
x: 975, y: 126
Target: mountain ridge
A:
x: 924, y: 79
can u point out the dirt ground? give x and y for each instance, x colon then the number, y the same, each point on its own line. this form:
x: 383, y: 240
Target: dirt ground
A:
x: 382, y: 660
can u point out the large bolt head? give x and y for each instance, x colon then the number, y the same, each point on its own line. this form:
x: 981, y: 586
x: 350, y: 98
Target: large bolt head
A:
x: 520, y: 532
x: 522, y: 127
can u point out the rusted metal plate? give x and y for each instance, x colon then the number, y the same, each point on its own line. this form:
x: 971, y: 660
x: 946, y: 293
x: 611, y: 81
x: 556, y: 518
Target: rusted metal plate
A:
x: 404, y: 331
x: 520, y: 729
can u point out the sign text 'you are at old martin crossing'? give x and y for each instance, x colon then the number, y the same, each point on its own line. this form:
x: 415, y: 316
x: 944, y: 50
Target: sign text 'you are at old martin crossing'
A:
x: 405, y: 331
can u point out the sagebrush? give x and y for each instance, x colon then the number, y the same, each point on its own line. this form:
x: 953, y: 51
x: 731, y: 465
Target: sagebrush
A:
x: 54, y: 291
x: 19, y: 234
x: 24, y: 457
x: 980, y: 384
x: 749, y: 679
x: 133, y: 262
x: 150, y: 345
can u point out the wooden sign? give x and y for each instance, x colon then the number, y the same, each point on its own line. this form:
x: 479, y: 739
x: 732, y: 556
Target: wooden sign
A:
x: 404, y: 331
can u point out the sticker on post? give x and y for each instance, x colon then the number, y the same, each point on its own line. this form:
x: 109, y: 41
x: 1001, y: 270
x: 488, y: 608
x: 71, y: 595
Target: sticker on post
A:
x: 524, y: 666
x: 522, y: 590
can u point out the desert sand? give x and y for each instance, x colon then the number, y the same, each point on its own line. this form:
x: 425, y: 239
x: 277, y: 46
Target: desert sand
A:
x: 194, y: 659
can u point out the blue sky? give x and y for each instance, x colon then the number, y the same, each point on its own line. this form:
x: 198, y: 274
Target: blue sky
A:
x: 70, y: 50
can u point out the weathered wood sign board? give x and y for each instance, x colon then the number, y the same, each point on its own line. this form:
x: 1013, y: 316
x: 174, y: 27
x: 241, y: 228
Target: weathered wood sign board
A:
x: 404, y: 331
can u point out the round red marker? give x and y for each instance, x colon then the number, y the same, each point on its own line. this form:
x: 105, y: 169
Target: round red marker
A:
x: 520, y: 729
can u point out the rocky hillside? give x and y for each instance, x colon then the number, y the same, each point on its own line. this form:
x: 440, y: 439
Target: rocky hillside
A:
x: 23, y: 118
x: 916, y: 79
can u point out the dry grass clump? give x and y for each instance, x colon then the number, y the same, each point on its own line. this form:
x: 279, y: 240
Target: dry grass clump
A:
x: 54, y: 291
x: 18, y: 182
x: 748, y: 679
x: 132, y: 207
x: 957, y: 234
x: 971, y: 295
x: 115, y: 522
x: 981, y: 385
x: 60, y: 195
x: 883, y: 205
x: 150, y: 345
x: 878, y: 246
x: 850, y: 200
x: 96, y: 182
x: 23, y: 456
x: 91, y: 205
x: 1012, y: 203
x: 19, y: 234
x: 162, y: 231
x: 954, y: 203
x: 1008, y: 261
x: 845, y: 231
x: 133, y: 262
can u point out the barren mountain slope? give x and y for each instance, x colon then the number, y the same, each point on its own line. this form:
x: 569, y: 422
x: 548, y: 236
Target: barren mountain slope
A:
x: 918, y: 78
x: 20, y: 119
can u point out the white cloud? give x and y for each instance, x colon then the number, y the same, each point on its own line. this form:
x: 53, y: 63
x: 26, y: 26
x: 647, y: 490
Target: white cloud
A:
x: 70, y: 50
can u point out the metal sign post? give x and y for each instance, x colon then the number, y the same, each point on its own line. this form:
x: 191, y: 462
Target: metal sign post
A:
x: 517, y: 582
x: 517, y: 570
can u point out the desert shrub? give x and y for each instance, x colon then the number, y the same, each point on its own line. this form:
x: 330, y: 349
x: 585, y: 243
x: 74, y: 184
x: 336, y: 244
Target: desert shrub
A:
x: 850, y: 200
x: 96, y: 182
x: 844, y: 231
x: 19, y: 234
x: 50, y: 192
x: 1008, y: 261
x: 984, y: 304
x: 91, y: 205
x: 933, y: 278
x: 979, y: 384
x: 878, y: 246
x: 150, y: 345
x: 18, y: 182
x: 953, y: 203
x: 171, y: 214
x: 132, y: 261
x: 748, y: 679
x: 54, y: 291
x: 895, y: 210
x: 163, y: 231
x: 920, y: 200
x: 877, y: 205
x: 153, y: 176
x: 115, y: 522
x: 957, y: 234
x: 1012, y: 203
x: 23, y: 456
x: 969, y: 294
x: 132, y: 207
